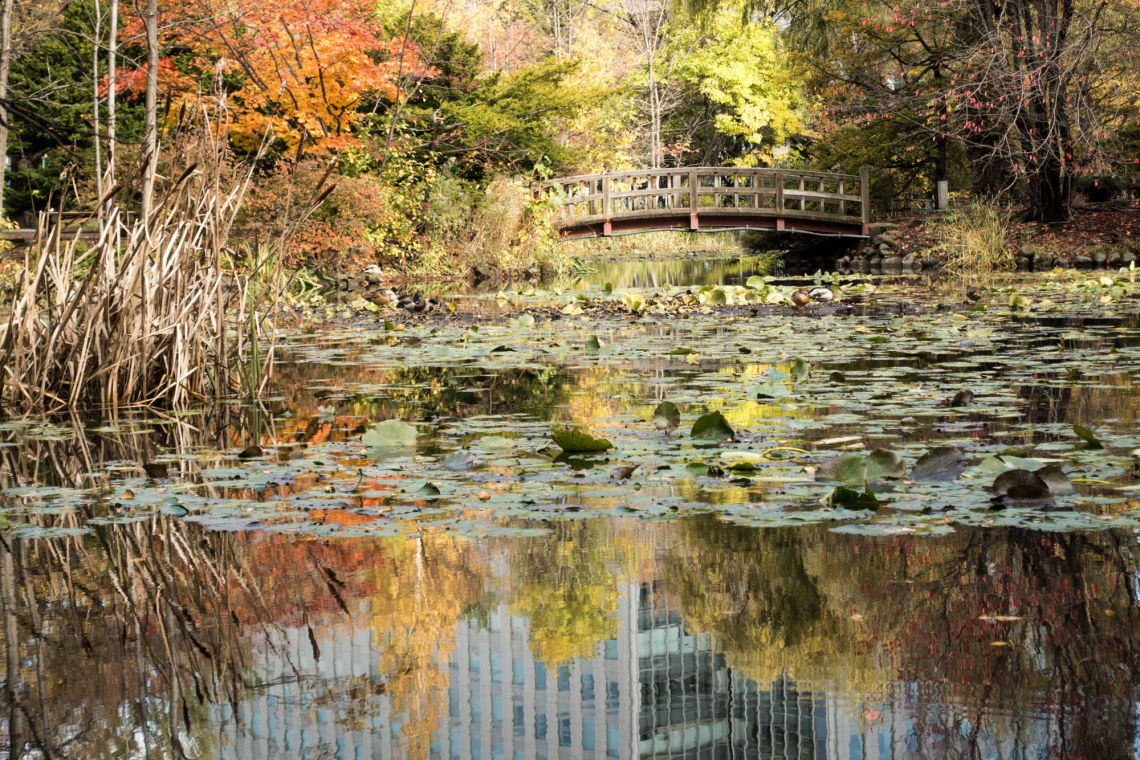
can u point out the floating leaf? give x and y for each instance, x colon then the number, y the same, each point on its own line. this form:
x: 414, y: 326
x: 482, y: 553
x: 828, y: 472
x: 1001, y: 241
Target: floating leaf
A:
x: 800, y: 370
x: 579, y: 441
x: 770, y: 390
x: 941, y: 463
x: 847, y: 468
x: 849, y: 498
x: 712, y: 427
x: 428, y: 490
x: 882, y: 464
x: 633, y: 301
x: 1056, y: 479
x: 666, y: 416
x: 459, y: 461
x: 390, y: 434
x: 1022, y: 488
x: 1088, y: 437
x: 593, y: 344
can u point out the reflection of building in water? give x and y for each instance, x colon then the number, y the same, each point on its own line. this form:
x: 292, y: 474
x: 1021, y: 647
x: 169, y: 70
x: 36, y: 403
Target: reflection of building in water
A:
x: 655, y: 690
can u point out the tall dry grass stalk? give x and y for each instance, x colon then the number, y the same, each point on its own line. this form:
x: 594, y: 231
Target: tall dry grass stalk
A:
x: 154, y: 312
x: 975, y: 238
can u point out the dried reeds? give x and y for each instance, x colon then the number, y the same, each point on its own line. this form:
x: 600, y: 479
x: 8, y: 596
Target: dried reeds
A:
x: 142, y: 316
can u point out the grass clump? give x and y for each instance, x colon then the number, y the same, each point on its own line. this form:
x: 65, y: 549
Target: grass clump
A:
x: 976, y: 238
x: 156, y: 311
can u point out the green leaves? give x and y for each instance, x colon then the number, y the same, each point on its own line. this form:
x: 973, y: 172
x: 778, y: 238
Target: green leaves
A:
x: 941, y: 463
x: 1086, y: 435
x: 390, y: 436
x: 712, y: 427
x: 849, y: 498
x: 880, y: 464
x: 579, y: 442
x: 800, y: 370
x: 666, y: 416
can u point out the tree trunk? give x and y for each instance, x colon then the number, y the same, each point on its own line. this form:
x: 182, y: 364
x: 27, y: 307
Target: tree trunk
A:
x: 1051, y: 194
x: 5, y: 65
x: 112, y: 62
x: 150, y: 141
x: 95, y: 113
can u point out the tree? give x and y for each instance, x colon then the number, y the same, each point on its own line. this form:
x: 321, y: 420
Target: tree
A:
x: 296, y: 71
x: 150, y: 136
x: 5, y: 66
x: 646, y: 23
x: 742, y: 100
x: 50, y: 107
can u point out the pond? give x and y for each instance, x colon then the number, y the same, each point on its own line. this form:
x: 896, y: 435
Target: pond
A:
x: 797, y: 533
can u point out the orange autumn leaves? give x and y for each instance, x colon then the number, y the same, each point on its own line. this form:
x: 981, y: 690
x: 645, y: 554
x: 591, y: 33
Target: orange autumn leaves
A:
x: 293, y: 70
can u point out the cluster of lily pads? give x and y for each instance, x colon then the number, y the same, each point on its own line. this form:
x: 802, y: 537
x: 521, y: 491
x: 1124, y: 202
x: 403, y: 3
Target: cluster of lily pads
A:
x: 880, y: 424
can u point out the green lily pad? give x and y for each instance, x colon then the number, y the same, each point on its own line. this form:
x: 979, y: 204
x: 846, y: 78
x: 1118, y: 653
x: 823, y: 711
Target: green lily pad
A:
x: 1088, y: 437
x: 390, y: 434
x: 579, y: 441
x: 712, y: 427
x: 666, y: 416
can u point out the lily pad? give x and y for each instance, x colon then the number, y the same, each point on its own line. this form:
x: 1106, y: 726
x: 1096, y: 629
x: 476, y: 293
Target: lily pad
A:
x: 579, y: 441
x: 390, y: 434
x: 848, y: 498
x: 666, y: 416
x: 941, y: 463
x: 1086, y: 435
x: 712, y: 427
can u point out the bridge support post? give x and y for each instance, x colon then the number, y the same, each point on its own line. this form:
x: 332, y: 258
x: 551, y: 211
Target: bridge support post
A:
x: 865, y: 197
x: 607, y: 206
x: 694, y: 201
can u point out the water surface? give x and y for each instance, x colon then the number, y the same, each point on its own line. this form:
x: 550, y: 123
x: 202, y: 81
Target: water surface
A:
x: 473, y: 595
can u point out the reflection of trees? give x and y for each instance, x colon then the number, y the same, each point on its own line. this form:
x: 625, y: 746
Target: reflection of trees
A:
x: 1070, y: 657
x: 914, y: 622
x: 423, y: 588
x: 122, y: 643
x: 566, y: 584
x: 758, y: 592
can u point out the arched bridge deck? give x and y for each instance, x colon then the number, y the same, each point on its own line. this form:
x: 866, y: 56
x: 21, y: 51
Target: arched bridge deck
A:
x: 710, y: 199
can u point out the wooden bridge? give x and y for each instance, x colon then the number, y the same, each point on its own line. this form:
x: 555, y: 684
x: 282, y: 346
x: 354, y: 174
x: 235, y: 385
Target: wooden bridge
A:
x: 711, y: 198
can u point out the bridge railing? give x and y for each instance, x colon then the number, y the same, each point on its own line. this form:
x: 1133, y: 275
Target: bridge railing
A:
x: 723, y: 192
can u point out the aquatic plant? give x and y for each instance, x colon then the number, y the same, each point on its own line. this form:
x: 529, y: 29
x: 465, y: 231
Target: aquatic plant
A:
x: 142, y: 316
x: 976, y: 238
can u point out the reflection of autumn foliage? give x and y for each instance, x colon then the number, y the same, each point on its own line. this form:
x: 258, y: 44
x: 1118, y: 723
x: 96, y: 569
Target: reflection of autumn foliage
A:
x: 1001, y: 620
x: 756, y: 591
x: 567, y: 587
x: 423, y: 589
x: 1014, y: 617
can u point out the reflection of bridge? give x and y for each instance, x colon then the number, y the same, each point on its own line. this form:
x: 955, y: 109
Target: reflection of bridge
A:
x: 711, y: 199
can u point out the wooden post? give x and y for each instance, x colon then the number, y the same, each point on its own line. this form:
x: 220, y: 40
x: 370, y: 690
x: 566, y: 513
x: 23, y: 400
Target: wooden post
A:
x: 607, y: 227
x: 779, y: 201
x: 694, y: 200
x: 865, y: 197
x: 842, y: 198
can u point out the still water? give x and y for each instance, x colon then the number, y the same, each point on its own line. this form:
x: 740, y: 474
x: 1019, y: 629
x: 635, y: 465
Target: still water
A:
x: 305, y: 601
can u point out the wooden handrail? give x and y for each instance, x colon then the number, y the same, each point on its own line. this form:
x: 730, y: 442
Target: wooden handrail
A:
x: 724, y: 192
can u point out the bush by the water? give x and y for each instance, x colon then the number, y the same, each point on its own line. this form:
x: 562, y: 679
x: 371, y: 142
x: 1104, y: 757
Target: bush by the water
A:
x: 404, y: 216
x: 976, y: 238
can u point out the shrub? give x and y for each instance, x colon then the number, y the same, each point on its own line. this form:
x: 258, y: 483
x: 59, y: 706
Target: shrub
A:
x: 349, y: 230
x: 975, y: 238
